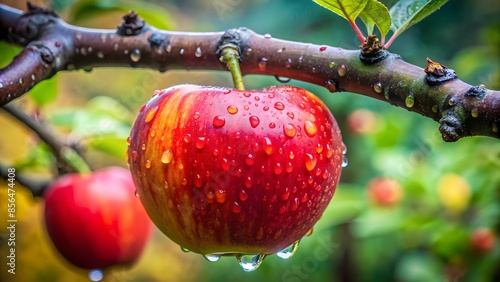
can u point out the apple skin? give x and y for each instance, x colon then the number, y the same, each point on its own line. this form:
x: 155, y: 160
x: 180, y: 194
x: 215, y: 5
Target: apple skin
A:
x: 95, y: 220
x: 225, y: 171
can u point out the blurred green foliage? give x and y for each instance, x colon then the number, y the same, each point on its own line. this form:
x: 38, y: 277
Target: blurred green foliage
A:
x: 419, y: 238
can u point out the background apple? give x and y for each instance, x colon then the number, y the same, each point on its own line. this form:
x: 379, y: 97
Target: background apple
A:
x: 94, y: 220
x: 224, y: 171
x: 384, y: 192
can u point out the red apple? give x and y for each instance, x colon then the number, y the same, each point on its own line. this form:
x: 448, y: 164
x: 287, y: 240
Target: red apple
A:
x: 384, y: 192
x: 95, y: 220
x: 223, y: 171
x: 483, y: 239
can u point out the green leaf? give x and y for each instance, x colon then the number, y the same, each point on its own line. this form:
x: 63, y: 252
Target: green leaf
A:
x: 44, y: 92
x: 406, y: 13
x: 376, y: 13
x: 348, y: 9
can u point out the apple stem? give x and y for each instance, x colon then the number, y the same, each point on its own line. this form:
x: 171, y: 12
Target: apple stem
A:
x: 231, y: 57
x: 76, y: 161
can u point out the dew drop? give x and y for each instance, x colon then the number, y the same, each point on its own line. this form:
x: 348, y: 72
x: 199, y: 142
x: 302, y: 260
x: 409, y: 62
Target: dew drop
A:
x: 248, y: 52
x: 409, y: 101
x: 309, y: 232
x: 310, y: 162
x: 291, y: 155
x: 267, y: 36
x: 165, y: 184
x: 254, y: 121
x: 344, y: 148
x: 290, y: 115
x: 278, y: 169
x: 166, y: 157
x: 243, y: 195
x: 250, y: 262
x: 168, y: 48
x: 152, y: 133
x: 128, y: 140
x: 272, y: 125
x: 185, y: 250
x: 136, y: 193
x: 267, y: 146
x: 220, y: 195
x: 288, y: 63
x: 377, y: 87
x: 196, y: 115
x: 250, y: 159
x: 474, y: 112
x: 265, y: 108
x: 198, y: 53
x: 134, y: 155
x: 330, y: 85
x: 212, y: 257
x: 342, y: 70
x: 96, y: 275
x: 263, y: 64
x: 235, y: 207
x: 187, y: 138
x: 151, y: 114
x: 143, y: 146
x: 345, y: 162
x: 147, y: 164
x: 322, y: 48
x: 200, y: 142
x: 289, y: 130
x: 332, y: 65
x: 181, y: 52
x: 135, y: 55
x: 232, y: 109
x: 289, y: 251
x: 219, y: 121
x: 310, y: 128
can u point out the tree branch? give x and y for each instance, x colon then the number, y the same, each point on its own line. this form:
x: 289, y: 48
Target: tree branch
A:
x: 51, y: 45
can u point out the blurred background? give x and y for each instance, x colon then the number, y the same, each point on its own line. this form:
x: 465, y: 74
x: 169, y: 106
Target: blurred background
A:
x: 409, y: 207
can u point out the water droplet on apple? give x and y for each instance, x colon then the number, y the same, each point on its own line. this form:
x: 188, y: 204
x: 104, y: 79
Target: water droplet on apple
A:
x: 248, y: 182
x: 165, y: 184
x: 265, y: 108
x: 342, y: 70
x: 166, y: 157
x: 377, y: 87
x: 235, y: 207
x: 147, y: 164
x: 250, y: 262
x: 220, y: 195
x: 289, y: 251
x: 310, y: 232
x: 278, y: 169
x: 243, y: 195
x: 151, y: 114
x: 200, y: 142
x: 310, y: 128
x: 96, y: 275
x: 279, y: 106
x: 272, y: 125
x: 262, y: 64
x: 197, y: 52
x: 254, y: 121
x: 135, y: 55
x: 128, y: 140
x: 290, y: 115
x: 267, y: 146
x: 344, y: 148
x: 289, y: 130
x: 134, y: 155
x: 196, y: 115
x: 250, y: 159
x: 232, y: 109
x: 219, y: 121
x: 310, y: 162
x: 212, y: 257
x: 152, y: 133
x: 345, y: 162
x: 184, y: 250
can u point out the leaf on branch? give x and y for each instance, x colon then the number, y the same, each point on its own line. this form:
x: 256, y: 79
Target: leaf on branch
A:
x: 376, y: 13
x: 348, y: 9
x: 406, y: 13
x: 44, y: 92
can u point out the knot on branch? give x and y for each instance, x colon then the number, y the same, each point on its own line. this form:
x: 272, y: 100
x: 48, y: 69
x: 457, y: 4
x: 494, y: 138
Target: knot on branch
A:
x: 476, y: 91
x: 132, y: 24
x: 32, y: 23
x: 437, y: 73
x: 451, y: 126
x: 372, y: 51
x: 230, y: 38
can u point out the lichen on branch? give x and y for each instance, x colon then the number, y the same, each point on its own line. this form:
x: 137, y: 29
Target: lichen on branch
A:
x: 51, y: 45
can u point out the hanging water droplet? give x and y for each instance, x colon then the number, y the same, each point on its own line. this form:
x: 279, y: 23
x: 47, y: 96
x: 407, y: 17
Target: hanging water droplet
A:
x: 377, y: 87
x: 135, y: 55
x: 136, y: 193
x: 250, y: 262
x: 212, y: 257
x: 330, y: 85
x: 345, y: 162
x: 166, y: 157
x: 184, y: 250
x: 474, y: 112
x: 96, y: 275
x: 342, y: 70
x: 344, y: 148
x: 262, y: 64
x: 409, y: 101
x: 289, y: 251
x: 198, y: 53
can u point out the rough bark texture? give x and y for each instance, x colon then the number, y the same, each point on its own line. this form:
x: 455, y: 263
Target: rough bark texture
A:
x: 51, y: 45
